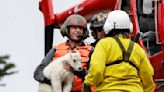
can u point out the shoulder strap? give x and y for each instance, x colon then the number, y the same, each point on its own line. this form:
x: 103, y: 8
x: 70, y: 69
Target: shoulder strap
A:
x: 125, y: 54
x: 121, y: 46
x: 130, y: 48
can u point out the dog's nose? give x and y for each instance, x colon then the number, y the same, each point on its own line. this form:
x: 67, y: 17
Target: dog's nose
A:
x: 80, y: 68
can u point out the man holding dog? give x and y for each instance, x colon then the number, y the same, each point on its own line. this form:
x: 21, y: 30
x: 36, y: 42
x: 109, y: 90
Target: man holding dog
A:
x: 75, y: 29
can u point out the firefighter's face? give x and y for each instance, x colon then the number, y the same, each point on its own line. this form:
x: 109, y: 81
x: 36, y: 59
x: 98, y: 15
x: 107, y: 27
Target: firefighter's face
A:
x: 98, y: 34
x: 76, y: 33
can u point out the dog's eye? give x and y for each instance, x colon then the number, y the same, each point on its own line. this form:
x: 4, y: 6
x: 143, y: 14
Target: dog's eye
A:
x: 74, y: 60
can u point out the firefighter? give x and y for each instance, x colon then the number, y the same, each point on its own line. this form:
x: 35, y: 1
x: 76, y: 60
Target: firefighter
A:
x: 118, y: 64
x: 75, y: 29
x: 96, y: 27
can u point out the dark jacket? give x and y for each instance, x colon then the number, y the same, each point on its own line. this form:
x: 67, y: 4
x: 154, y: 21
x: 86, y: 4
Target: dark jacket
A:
x: 38, y: 73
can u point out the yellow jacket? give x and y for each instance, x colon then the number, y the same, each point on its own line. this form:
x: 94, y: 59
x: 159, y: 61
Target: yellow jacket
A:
x: 121, y: 77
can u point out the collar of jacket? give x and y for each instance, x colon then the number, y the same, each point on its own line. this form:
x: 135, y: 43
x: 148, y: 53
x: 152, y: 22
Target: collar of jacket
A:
x: 67, y: 67
x: 66, y: 46
x: 82, y: 44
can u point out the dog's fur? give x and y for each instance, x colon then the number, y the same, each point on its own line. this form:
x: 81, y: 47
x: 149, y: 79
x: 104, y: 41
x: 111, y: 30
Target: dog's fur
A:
x: 61, y: 77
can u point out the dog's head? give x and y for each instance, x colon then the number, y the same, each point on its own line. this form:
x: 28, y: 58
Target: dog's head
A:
x: 75, y: 60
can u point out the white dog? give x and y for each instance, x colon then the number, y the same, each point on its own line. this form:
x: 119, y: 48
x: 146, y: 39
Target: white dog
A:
x: 60, y: 72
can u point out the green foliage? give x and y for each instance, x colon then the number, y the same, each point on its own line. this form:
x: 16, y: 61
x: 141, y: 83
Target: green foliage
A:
x: 5, y: 68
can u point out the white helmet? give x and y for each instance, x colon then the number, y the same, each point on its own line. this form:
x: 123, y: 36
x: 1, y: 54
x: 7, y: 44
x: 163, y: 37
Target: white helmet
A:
x: 117, y: 19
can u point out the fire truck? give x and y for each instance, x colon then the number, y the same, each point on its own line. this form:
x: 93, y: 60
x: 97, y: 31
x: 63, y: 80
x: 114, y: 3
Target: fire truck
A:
x: 147, y: 17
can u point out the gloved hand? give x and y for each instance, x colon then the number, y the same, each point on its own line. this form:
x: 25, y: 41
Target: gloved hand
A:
x: 81, y: 74
x: 86, y: 88
x: 47, y: 81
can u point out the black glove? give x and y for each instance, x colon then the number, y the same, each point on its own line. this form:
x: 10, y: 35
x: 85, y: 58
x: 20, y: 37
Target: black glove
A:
x: 86, y: 88
x: 41, y: 78
x: 47, y: 81
x: 81, y: 74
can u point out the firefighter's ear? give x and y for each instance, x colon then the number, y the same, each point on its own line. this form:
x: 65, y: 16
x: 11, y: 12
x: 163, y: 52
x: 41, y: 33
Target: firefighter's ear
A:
x: 64, y: 30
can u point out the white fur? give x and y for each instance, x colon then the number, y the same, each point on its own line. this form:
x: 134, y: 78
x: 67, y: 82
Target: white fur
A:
x: 59, y: 75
